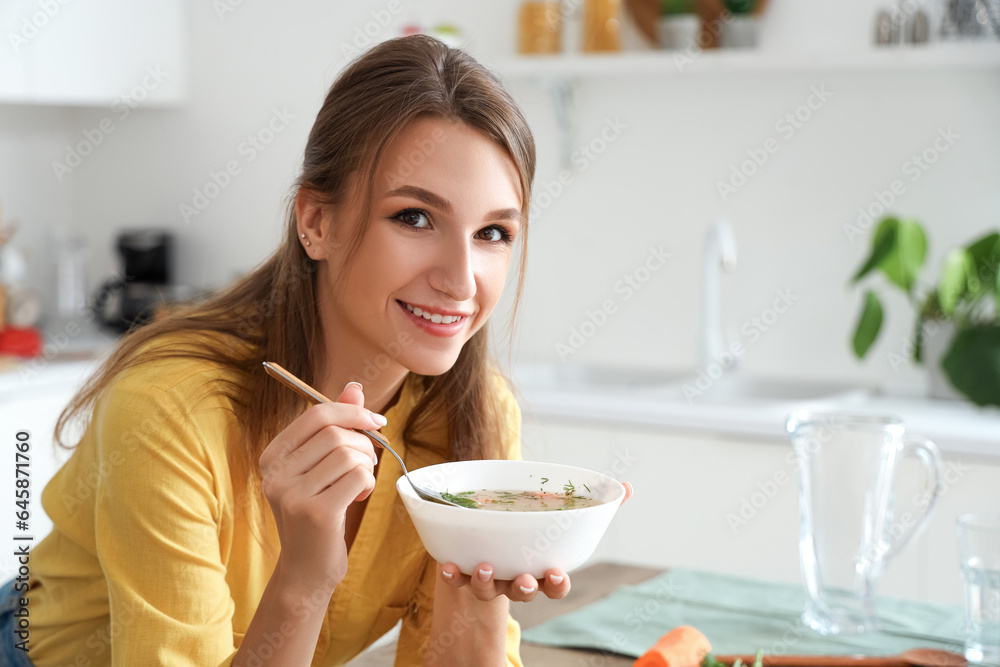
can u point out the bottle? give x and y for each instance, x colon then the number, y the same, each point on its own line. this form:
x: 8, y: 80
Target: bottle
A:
x: 602, y: 26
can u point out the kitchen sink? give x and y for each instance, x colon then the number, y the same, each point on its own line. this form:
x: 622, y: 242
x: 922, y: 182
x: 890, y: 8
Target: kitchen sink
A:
x: 738, y: 388
x: 574, y: 377
x: 686, y: 386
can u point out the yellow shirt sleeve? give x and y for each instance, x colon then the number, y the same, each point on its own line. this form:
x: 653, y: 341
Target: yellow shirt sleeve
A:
x: 157, y: 527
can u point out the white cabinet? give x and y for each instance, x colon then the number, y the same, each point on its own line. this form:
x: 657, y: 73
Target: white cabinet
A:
x: 97, y: 53
x: 730, y: 505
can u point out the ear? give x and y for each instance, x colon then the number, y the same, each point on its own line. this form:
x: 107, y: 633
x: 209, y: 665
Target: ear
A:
x: 314, y: 221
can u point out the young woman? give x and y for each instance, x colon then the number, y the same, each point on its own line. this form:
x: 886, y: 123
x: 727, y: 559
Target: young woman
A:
x: 208, y: 515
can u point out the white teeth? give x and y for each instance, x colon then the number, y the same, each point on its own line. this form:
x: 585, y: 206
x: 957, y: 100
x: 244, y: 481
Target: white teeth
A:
x: 436, y: 318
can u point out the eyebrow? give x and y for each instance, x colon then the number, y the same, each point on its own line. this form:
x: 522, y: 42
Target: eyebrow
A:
x: 437, y: 201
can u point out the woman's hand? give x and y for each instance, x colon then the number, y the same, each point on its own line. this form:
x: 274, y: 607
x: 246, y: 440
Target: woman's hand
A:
x: 312, y: 471
x: 555, y: 584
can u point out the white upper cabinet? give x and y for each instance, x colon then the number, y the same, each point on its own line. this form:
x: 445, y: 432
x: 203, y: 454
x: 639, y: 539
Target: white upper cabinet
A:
x: 94, y: 53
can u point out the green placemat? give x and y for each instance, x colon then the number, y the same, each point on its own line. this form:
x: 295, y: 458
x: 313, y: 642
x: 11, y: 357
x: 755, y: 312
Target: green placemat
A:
x: 740, y: 615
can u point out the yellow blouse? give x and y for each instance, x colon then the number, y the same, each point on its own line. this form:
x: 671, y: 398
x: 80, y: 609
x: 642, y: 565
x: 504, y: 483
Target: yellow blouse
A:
x: 151, y: 563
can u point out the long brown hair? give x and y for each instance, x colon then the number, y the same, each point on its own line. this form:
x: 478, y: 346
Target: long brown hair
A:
x: 271, y: 314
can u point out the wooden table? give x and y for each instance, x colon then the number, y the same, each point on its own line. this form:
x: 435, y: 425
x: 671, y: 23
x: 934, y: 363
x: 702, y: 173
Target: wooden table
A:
x: 589, y: 585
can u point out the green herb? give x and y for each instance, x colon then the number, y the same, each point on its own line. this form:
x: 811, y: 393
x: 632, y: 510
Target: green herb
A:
x: 465, y: 493
x: 460, y: 500
x: 710, y: 661
x: 569, y: 488
x: 544, y: 480
x: 586, y: 487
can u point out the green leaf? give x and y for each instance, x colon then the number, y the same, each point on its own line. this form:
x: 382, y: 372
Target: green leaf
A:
x: 984, y: 254
x: 904, y: 263
x: 883, y: 244
x: 459, y: 500
x: 955, y: 276
x: 868, y: 324
x: 972, y: 363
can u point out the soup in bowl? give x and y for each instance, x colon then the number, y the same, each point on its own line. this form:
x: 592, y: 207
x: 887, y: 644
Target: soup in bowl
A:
x: 521, y: 516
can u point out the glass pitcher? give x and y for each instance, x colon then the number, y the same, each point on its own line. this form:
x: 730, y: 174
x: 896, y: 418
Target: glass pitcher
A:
x: 849, y: 527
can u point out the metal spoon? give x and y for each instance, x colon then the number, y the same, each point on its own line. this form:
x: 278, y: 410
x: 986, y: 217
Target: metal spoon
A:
x: 914, y: 657
x: 314, y: 397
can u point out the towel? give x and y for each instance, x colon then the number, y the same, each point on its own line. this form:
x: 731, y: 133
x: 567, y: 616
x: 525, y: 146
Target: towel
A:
x: 740, y: 615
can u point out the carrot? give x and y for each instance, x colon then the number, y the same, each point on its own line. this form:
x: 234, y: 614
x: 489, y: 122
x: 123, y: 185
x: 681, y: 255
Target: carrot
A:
x: 684, y: 646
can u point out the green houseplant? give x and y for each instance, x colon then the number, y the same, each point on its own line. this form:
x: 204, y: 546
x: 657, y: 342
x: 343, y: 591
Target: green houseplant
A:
x: 676, y: 7
x: 967, y: 295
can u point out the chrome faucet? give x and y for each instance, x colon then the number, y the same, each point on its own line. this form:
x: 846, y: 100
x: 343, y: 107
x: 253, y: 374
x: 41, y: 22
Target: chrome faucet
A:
x: 720, y: 251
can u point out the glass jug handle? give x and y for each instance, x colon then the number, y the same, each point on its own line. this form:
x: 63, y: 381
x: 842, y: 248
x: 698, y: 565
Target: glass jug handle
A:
x: 930, y: 456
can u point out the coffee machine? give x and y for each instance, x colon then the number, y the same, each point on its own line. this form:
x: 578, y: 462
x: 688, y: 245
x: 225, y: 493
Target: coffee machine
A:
x: 145, y: 281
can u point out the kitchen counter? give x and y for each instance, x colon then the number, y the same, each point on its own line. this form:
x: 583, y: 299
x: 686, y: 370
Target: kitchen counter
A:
x: 67, y: 360
x: 741, y: 406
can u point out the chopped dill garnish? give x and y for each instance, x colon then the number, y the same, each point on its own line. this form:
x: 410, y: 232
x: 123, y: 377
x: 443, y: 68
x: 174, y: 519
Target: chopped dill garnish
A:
x: 460, y: 500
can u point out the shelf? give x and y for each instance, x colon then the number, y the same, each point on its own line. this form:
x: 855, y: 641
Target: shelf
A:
x: 926, y: 58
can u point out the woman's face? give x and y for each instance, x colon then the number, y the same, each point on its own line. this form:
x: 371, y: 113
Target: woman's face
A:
x: 433, y: 260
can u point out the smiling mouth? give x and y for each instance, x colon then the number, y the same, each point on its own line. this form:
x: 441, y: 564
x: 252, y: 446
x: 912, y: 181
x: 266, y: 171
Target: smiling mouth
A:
x: 435, y: 318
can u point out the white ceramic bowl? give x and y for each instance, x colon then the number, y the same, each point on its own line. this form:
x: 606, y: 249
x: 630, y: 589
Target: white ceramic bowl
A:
x: 512, y: 542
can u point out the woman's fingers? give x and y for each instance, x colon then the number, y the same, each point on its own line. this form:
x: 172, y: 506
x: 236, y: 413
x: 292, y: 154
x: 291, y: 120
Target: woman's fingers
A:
x: 628, y: 492
x: 555, y: 584
x: 311, y: 423
x: 453, y: 577
x: 332, y: 468
x: 482, y: 584
x: 523, y: 588
x: 356, y: 484
x: 353, y: 394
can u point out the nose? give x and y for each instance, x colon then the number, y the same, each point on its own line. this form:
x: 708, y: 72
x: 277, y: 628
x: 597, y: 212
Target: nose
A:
x: 453, y: 271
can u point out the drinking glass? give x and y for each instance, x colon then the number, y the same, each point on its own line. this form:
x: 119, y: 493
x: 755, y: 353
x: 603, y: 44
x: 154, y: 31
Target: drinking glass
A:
x: 849, y: 525
x: 979, y: 556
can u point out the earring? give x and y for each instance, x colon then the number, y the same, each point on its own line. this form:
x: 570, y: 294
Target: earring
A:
x: 308, y: 242
x: 302, y: 235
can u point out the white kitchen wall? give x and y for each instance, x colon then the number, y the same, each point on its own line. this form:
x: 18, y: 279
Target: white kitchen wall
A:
x: 655, y: 185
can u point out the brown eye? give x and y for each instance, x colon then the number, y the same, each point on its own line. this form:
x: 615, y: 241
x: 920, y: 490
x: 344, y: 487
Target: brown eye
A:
x: 494, y: 234
x: 411, y: 217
